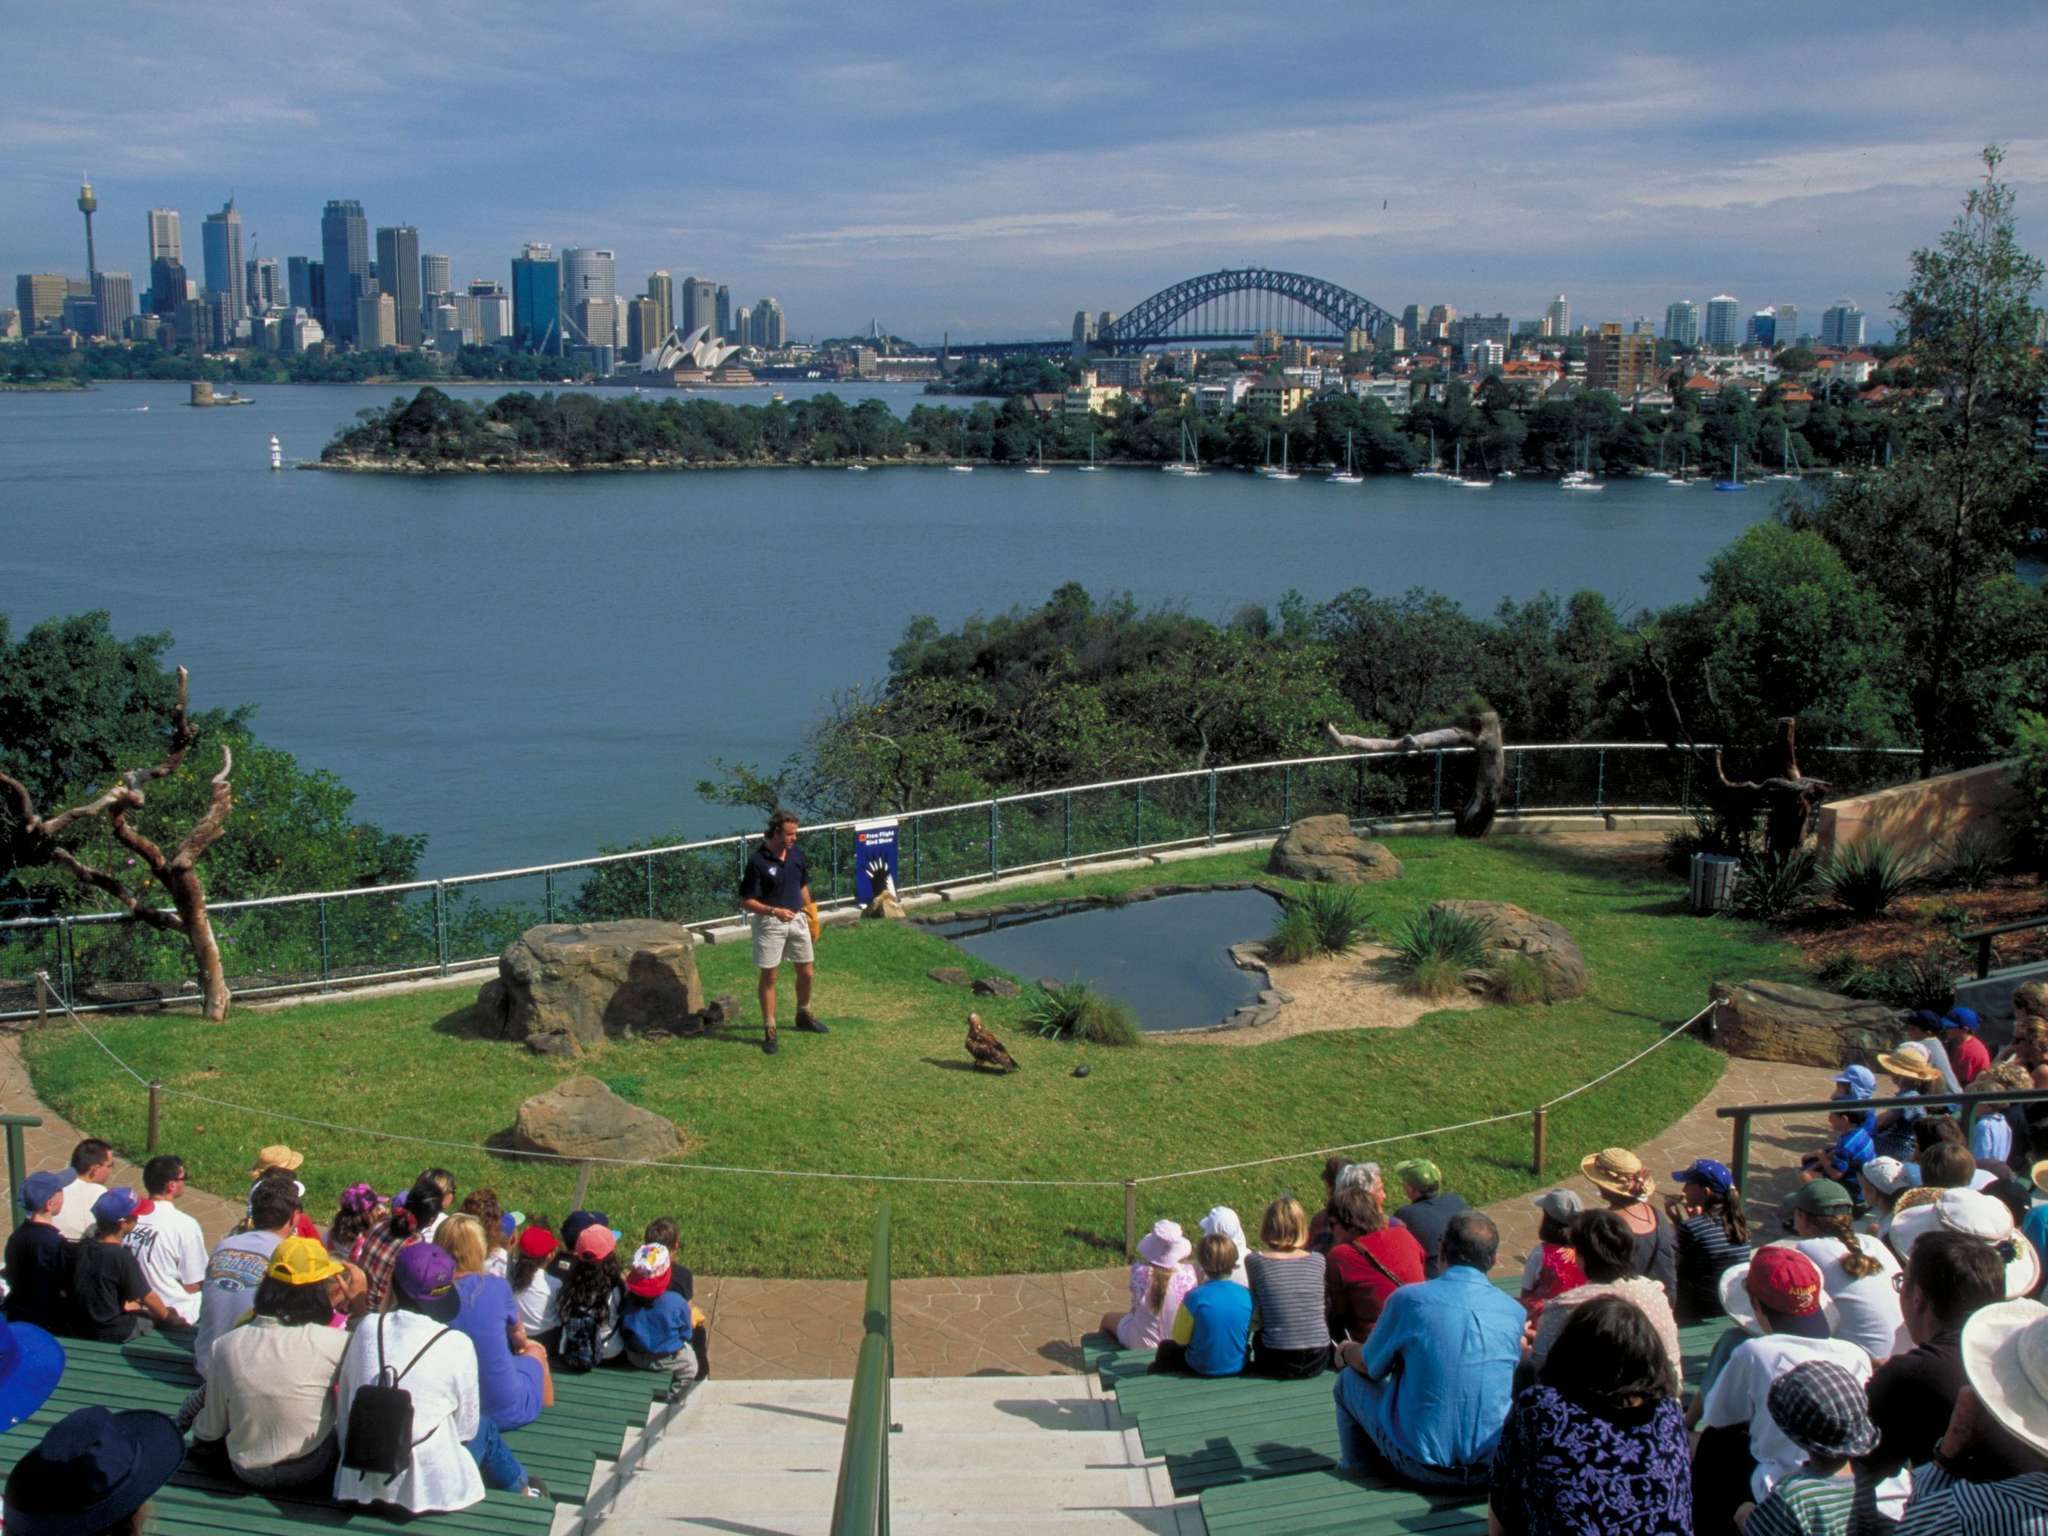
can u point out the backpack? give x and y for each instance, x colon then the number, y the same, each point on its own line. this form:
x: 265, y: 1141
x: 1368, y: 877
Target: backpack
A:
x: 580, y: 1344
x: 379, y: 1439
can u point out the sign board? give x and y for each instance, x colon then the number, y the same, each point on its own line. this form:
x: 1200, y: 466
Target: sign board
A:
x: 874, y: 859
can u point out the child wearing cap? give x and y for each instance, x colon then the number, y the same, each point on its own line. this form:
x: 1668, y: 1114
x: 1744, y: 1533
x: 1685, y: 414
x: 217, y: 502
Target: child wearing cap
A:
x: 1819, y: 1407
x: 1160, y: 1280
x: 1552, y: 1267
x: 38, y: 1256
x: 593, y: 1297
x: 1713, y: 1236
x: 110, y: 1299
x: 1213, y: 1331
x: 663, y: 1230
x: 1850, y: 1150
x: 535, y: 1284
x: 1966, y: 1051
x: 656, y: 1322
x: 1856, y: 1275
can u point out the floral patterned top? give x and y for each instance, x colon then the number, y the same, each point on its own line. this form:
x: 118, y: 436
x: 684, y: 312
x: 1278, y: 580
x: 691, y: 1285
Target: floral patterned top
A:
x: 1141, y: 1327
x: 1564, y: 1471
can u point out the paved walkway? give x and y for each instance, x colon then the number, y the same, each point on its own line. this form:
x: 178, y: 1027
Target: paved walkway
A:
x: 1027, y: 1325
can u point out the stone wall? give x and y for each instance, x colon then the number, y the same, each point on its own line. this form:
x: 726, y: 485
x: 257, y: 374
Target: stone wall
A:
x: 1924, y: 817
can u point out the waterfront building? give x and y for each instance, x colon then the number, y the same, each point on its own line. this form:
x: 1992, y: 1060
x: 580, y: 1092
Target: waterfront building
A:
x: 1723, y: 318
x: 40, y: 298
x: 376, y: 321
x: 1557, y: 319
x: 662, y: 289
x: 1620, y: 364
x: 537, y: 299
x: 1841, y: 324
x: 345, y: 260
x: 1763, y: 329
x: 221, y: 237
x: 399, y: 276
x: 166, y: 242
x: 113, y: 296
x: 700, y: 309
x: 1682, y: 323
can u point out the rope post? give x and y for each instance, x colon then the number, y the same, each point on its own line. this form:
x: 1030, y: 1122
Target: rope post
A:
x: 155, y: 1113
x: 42, y: 1003
x: 1542, y: 1141
x: 582, y: 1186
x: 1130, y: 1220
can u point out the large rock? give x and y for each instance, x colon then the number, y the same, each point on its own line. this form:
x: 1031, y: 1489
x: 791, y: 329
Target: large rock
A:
x: 1324, y: 848
x: 565, y: 987
x: 1777, y: 1021
x: 581, y: 1117
x: 1513, y: 930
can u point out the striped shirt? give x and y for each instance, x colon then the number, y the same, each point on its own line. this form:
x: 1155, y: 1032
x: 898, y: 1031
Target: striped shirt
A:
x: 1944, y: 1505
x: 1703, y: 1253
x: 1806, y: 1505
x: 1289, y: 1294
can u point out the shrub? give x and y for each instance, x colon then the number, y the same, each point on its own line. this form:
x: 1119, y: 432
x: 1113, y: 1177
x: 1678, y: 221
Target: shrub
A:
x: 1973, y: 859
x: 1519, y: 979
x: 1926, y: 981
x: 1108, y: 1022
x: 1078, y: 1012
x: 1771, y: 884
x: 1437, y: 949
x: 2030, y: 779
x: 1869, y: 876
x: 1709, y: 833
x: 1323, y: 920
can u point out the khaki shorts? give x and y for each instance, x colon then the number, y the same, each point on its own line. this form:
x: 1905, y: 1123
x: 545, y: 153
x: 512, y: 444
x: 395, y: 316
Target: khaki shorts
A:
x: 776, y: 941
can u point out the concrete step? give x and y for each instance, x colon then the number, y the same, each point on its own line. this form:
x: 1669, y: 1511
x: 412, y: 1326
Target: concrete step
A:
x: 1131, y: 1521
x: 765, y: 1493
x: 795, y: 1417
x: 933, y: 1389
x: 1019, y: 1448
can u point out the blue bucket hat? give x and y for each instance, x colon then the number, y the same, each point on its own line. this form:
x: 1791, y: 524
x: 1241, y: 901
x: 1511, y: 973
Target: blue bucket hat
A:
x: 1859, y: 1080
x: 1708, y: 1174
x: 1961, y: 1018
x: 30, y: 1363
x: 94, y: 1469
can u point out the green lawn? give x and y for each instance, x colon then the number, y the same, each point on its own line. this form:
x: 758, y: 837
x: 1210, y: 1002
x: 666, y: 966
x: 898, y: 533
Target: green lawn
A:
x: 887, y: 1092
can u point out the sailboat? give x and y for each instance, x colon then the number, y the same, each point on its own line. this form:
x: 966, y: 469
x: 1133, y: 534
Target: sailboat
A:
x: 1039, y: 467
x: 1482, y: 483
x: 1434, y: 469
x: 1348, y: 476
x: 1282, y: 472
x: 1659, y: 472
x: 1734, y: 480
x: 276, y: 453
x: 1784, y: 456
x: 962, y: 468
x: 1679, y: 481
x: 1181, y: 465
x: 1581, y: 479
x: 1091, y: 467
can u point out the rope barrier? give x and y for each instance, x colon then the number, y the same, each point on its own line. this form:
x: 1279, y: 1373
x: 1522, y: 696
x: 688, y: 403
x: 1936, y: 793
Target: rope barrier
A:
x: 866, y: 1178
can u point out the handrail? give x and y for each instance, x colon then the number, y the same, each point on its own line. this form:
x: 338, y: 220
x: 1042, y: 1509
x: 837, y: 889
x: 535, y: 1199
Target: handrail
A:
x: 860, y: 1505
x: 1968, y: 1102
x: 1984, y: 936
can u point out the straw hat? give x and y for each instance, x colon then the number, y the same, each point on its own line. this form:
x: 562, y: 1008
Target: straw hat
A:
x: 1911, y: 1061
x: 1618, y: 1171
x: 278, y: 1156
x: 1975, y: 1214
x: 2005, y: 1360
x: 1165, y: 1245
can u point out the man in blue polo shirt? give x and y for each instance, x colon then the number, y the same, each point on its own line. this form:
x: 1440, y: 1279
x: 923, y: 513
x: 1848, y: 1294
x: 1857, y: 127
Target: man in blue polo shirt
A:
x: 775, y: 888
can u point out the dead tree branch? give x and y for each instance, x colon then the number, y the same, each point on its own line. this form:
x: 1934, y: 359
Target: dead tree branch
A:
x: 1482, y: 734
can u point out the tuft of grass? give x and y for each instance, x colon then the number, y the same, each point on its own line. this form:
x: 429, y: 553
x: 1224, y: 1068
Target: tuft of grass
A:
x: 1452, y: 938
x: 1869, y: 876
x: 1973, y: 859
x: 1322, y: 920
x: 1106, y: 1021
x: 1437, y: 977
x: 1293, y: 938
x: 1518, y: 979
x: 1770, y: 885
x: 1078, y: 1012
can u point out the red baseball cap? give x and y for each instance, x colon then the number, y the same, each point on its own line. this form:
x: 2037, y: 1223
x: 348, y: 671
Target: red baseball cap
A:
x: 537, y: 1242
x: 1785, y: 1280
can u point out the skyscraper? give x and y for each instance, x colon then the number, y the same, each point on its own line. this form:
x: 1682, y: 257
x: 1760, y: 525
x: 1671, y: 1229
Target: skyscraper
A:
x: 1788, y: 324
x: 165, y: 241
x: 435, y: 276
x: 114, y: 294
x: 1557, y: 319
x: 266, y: 284
x: 1841, y: 324
x: 769, y: 329
x: 743, y: 326
x: 376, y: 321
x: 1682, y: 323
x: 1763, y: 328
x: 88, y: 205
x: 298, y: 282
x: 537, y: 299
x: 493, y: 310
x: 398, y: 274
x: 700, y: 305
x: 591, y: 274
x: 643, y: 329
x: 166, y: 285
x: 722, y: 326
x: 1622, y: 364
x: 345, y: 265
x: 1724, y: 323
x: 222, y: 242
x: 662, y: 289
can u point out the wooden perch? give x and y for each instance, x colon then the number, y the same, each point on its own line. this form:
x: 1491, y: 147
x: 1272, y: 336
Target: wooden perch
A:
x: 1787, y: 800
x: 1482, y: 735
x: 178, y: 874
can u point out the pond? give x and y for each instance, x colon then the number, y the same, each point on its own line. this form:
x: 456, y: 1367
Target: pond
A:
x: 1167, y: 959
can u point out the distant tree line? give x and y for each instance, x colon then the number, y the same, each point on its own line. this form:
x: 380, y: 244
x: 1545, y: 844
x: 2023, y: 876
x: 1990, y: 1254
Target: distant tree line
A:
x: 105, y: 360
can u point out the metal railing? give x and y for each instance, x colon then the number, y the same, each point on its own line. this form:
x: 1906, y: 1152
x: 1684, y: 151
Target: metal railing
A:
x: 1969, y: 1104
x: 1982, y: 938
x: 318, y: 940
x: 860, y: 1506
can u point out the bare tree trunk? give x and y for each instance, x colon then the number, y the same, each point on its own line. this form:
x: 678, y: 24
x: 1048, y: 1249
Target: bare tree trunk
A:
x: 1786, y: 801
x: 1482, y: 734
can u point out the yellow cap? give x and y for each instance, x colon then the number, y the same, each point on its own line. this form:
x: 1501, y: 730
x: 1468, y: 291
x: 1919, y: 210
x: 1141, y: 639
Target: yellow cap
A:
x: 302, y: 1261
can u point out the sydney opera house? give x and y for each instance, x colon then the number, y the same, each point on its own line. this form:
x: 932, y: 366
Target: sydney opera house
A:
x: 699, y: 358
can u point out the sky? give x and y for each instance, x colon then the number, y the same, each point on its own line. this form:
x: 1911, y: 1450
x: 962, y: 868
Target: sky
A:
x: 987, y: 169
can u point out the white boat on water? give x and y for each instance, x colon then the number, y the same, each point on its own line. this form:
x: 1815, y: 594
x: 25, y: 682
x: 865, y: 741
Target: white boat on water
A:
x: 1581, y: 479
x: 1282, y: 472
x: 1434, y: 469
x: 961, y: 469
x: 1091, y: 467
x: 276, y: 453
x: 857, y: 469
x: 1039, y: 467
x: 1347, y: 475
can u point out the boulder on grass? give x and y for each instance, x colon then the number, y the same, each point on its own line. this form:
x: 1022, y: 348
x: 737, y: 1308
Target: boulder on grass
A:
x: 1325, y: 849
x: 950, y: 976
x: 1777, y: 1021
x: 1513, y: 930
x: 580, y: 1117
x: 566, y: 987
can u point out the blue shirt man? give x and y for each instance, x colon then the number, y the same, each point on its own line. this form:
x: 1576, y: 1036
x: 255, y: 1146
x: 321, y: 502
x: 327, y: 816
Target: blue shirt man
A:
x: 1430, y: 1388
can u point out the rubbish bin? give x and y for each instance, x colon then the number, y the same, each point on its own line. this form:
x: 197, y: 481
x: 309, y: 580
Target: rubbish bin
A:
x: 1713, y: 882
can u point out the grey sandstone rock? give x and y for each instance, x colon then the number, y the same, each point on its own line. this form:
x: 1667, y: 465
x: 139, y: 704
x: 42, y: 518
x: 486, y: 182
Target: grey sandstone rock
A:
x: 580, y: 1117
x: 1325, y: 849
x: 1513, y: 930
x: 950, y: 976
x: 564, y: 988
x: 1777, y: 1021
x: 995, y: 986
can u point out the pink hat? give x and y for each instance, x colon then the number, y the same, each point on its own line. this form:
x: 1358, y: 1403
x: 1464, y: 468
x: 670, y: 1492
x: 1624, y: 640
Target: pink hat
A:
x: 1165, y: 1245
x: 596, y: 1243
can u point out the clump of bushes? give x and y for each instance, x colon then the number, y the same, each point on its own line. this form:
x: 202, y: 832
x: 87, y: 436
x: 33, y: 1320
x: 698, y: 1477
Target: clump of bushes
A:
x: 1077, y: 1011
x: 1323, y: 920
x: 1973, y: 859
x: 1923, y: 981
x: 1867, y: 877
x: 1769, y: 885
x: 1438, y: 950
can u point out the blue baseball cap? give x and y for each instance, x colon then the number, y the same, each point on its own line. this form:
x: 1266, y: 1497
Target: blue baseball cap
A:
x: 37, y: 1188
x: 1859, y: 1080
x: 116, y: 1204
x: 1928, y: 1020
x: 1707, y: 1173
x: 1960, y: 1018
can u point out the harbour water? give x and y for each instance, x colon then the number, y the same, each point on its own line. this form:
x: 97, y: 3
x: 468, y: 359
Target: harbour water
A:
x: 527, y: 667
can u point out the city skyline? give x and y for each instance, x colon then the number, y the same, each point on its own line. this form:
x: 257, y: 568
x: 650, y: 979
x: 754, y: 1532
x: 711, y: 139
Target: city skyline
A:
x: 893, y: 169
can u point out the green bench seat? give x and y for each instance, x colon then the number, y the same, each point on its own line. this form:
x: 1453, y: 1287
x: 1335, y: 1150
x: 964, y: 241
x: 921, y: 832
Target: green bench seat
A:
x: 589, y: 1422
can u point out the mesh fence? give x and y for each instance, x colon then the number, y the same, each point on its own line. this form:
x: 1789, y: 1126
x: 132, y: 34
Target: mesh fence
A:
x: 300, y: 942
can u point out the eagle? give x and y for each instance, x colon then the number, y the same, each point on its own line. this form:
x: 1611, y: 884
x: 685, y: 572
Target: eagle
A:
x: 985, y: 1048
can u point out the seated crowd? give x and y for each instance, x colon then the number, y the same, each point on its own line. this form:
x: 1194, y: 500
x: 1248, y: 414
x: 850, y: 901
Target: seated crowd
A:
x: 297, y: 1335
x: 1886, y: 1367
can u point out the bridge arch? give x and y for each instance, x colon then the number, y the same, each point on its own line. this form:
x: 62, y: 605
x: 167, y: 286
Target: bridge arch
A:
x: 1153, y: 322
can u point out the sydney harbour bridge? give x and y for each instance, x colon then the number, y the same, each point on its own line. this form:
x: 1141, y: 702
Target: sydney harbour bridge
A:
x: 1236, y: 305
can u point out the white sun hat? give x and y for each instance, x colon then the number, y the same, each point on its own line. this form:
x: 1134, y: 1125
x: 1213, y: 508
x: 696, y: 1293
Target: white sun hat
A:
x: 1978, y: 1215
x: 2005, y: 1359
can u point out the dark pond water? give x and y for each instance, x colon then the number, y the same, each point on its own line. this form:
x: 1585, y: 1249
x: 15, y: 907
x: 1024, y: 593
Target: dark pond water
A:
x: 1168, y: 959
